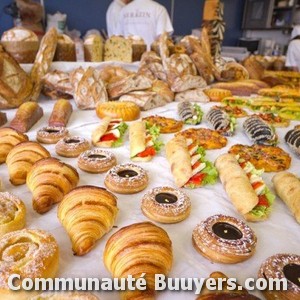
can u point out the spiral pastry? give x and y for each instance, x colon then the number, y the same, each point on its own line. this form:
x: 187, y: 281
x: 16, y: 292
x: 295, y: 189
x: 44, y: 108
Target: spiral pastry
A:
x: 220, y: 121
x: 12, y: 213
x: 292, y: 138
x: 49, y: 180
x: 87, y: 213
x: 259, y: 131
x: 29, y: 253
x: 136, y: 249
x: 224, y: 239
x: 8, y: 139
x: 21, y: 158
x: 282, y: 266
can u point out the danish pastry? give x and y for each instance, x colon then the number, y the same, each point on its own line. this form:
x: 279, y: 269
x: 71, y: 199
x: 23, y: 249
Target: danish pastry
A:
x: 30, y: 253
x: 96, y: 161
x: 217, y: 95
x: 72, y: 146
x: 87, y: 213
x: 282, y: 266
x: 26, y: 116
x: 61, y: 113
x: 49, y: 180
x: 21, y: 158
x: 51, y: 135
x: 9, y: 138
x: 166, y: 205
x: 292, y: 138
x: 224, y: 239
x: 126, y: 179
x: 12, y: 213
x: 136, y: 249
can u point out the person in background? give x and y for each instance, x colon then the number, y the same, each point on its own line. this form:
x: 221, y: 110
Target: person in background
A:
x: 145, y: 18
x: 293, y: 52
x: 112, y: 15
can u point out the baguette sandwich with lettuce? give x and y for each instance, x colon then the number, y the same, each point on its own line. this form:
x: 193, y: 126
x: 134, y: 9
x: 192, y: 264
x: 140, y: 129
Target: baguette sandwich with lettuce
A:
x: 144, y: 141
x: 109, y: 133
x: 245, y: 187
x: 189, y: 166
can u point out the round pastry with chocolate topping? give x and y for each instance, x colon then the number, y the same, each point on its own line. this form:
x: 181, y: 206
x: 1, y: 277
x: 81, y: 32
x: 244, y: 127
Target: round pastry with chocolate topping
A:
x: 96, y: 161
x: 224, y: 239
x: 126, y: 179
x: 51, y: 134
x: 282, y: 266
x: 166, y: 205
x: 72, y: 146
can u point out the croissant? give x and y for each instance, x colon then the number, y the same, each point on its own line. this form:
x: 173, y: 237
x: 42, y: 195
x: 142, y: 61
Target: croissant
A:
x: 136, y: 249
x: 12, y: 213
x: 8, y: 139
x: 87, y: 213
x: 21, y: 158
x: 49, y: 180
x: 29, y: 253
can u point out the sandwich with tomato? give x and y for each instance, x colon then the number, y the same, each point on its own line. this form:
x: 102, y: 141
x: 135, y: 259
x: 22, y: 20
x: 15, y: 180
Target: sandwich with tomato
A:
x: 144, y: 141
x: 245, y: 187
x: 109, y: 133
x: 189, y: 166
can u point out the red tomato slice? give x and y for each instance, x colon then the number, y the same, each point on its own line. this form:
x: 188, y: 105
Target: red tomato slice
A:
x: 196, y: 165
x: 108, y: 137
x: 257, y: 184
x: 149, y: 151
x: 263, y: 201
x: 197, y: 178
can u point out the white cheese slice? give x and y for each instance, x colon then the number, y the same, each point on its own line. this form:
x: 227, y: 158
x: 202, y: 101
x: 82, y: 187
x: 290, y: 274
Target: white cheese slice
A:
x: 115, y: 132
x: 260, y: 189
x: 195, y: 158
x: 198, y: 169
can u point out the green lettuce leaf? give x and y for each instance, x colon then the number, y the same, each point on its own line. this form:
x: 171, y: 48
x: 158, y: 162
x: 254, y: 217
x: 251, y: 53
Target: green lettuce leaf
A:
x: 118, y: 142
x: 158, y: 144
x: 232, y: 124
x: 201, y: 151
x: 122, y: 128
x: 211, y: 174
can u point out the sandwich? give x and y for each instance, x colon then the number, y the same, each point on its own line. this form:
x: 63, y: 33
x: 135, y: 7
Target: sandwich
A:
x: 144, y: 141
x: 290, y: 113
x: 189, y: 166
x: 245, y: 187
x: 235, y: 101
x: 109, y: 133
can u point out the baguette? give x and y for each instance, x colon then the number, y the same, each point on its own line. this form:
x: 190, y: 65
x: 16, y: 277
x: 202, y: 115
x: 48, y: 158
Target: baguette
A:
x: 287, y: 187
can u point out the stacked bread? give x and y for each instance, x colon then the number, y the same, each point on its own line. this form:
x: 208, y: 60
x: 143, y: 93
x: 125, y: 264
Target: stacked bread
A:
x: 65, y: 49
x: 93, y: 48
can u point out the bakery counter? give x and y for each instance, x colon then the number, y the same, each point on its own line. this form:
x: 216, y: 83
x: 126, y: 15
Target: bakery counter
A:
x: 279, y: 234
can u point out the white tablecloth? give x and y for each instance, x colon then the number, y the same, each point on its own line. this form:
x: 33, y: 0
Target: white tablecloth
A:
x: 279, y: 234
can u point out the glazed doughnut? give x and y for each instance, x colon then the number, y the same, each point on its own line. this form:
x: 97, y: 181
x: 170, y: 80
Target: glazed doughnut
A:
x: 126, y: 179
x: 51, y: 134
x: 12, y: 213
x: 72, y: 146
x: 96, y: 161
x: 224, y: 239
x: 282, y: 266
x: 166, y: 205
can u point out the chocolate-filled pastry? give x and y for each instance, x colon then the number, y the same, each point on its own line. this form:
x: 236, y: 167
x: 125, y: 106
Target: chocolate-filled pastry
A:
x: 26, y: 116
x: 282, y: 266
x: 225, y: 294
x: 21, y: 158
x: 126, y: 179
x: 61, y: 113
x: 190, y: 113
x: 51, y: 135
x: 259, y: 132
x: 224, y: 239
x: 72, y: 146
x: 166, y: 205
x: 96, y: 161
x: 8, y: 139
x: 292, y: 138
x: 3, y: 118
x: 221, y: 121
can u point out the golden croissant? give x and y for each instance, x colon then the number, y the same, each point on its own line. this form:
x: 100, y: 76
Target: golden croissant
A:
x: 136, y: 249
x: 21, y: 158
x: 87, y: 213
x: 49, y: 180
x: 12, y: 213
x: 8, y: 139
x: 29, y: 253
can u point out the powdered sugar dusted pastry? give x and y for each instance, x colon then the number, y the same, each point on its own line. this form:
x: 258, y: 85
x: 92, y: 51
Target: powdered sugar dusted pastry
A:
x: 224, y: 239
x: 51, y: 134
x: 96, y: 161
x: 126, y: 179
x: 166, y: 205
x: 72, y: 146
